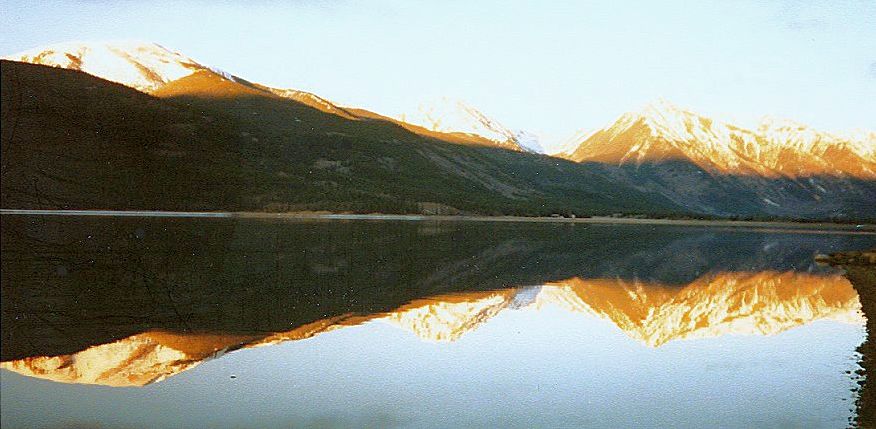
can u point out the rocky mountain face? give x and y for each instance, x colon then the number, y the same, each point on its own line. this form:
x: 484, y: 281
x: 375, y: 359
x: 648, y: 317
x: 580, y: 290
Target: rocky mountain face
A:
x: 781, y: 168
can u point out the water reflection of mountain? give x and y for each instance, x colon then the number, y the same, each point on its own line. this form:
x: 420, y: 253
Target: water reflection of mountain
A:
x: 71, y: 283
x: 743, y: 303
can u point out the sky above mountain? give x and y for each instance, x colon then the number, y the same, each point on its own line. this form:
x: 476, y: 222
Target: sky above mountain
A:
x: 547, y: 69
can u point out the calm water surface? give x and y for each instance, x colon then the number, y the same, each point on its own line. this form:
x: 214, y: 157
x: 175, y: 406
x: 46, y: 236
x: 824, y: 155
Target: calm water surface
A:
x: 162, y: 322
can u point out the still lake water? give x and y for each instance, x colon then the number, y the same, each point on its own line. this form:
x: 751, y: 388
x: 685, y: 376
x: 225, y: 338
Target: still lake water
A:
x: 163, y: 322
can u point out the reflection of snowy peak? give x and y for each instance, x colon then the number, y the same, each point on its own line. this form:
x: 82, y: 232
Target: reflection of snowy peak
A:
x: 764, y: 303
x: 448, y: 318
x: 134, y: 361
x: 454, y: 116
x: 740, y: 303
x: 143, y: 66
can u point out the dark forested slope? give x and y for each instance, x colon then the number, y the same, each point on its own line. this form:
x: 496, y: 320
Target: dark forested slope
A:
x: 204, y: 142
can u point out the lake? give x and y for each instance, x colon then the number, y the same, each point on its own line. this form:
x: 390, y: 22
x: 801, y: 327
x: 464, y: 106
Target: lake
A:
x: 144, y: 322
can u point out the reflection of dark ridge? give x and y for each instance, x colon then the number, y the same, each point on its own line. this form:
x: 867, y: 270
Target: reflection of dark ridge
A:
x: 69, y: 283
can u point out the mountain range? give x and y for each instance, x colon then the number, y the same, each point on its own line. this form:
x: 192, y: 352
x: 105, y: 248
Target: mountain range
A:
x: 183, y: 135
x: 709, y: 165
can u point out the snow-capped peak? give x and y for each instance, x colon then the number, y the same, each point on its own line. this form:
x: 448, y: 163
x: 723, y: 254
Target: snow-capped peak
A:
x: 663, y: 109
x: 455, y: 116
x: 670, y: 121
x: 863, y: 142
x: 530, y: 142
x: 795, y: 135
x: 662, y: 131
x: 141, y: 65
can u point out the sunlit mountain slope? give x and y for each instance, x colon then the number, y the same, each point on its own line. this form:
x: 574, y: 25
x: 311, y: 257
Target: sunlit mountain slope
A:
x: 778, y: 148
x: 782, y: 168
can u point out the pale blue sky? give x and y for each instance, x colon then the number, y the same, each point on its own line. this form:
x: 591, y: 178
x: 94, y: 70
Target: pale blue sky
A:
x: 548, y: 67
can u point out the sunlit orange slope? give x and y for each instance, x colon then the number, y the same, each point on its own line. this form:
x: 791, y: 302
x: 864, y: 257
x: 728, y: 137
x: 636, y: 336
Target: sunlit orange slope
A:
x: 662, y: 132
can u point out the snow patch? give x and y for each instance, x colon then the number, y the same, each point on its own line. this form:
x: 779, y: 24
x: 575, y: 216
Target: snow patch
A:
x: 141, y: 65
x: 455, y: 116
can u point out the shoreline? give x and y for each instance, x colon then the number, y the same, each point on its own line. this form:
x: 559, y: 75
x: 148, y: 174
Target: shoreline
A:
x: 783, y: 226
x: 860, y: 269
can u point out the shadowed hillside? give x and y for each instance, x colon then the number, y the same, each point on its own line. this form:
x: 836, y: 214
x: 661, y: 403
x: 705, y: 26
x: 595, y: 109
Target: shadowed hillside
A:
x: 74, y: 141
x: 70, y: 140
x: 747, y: 196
